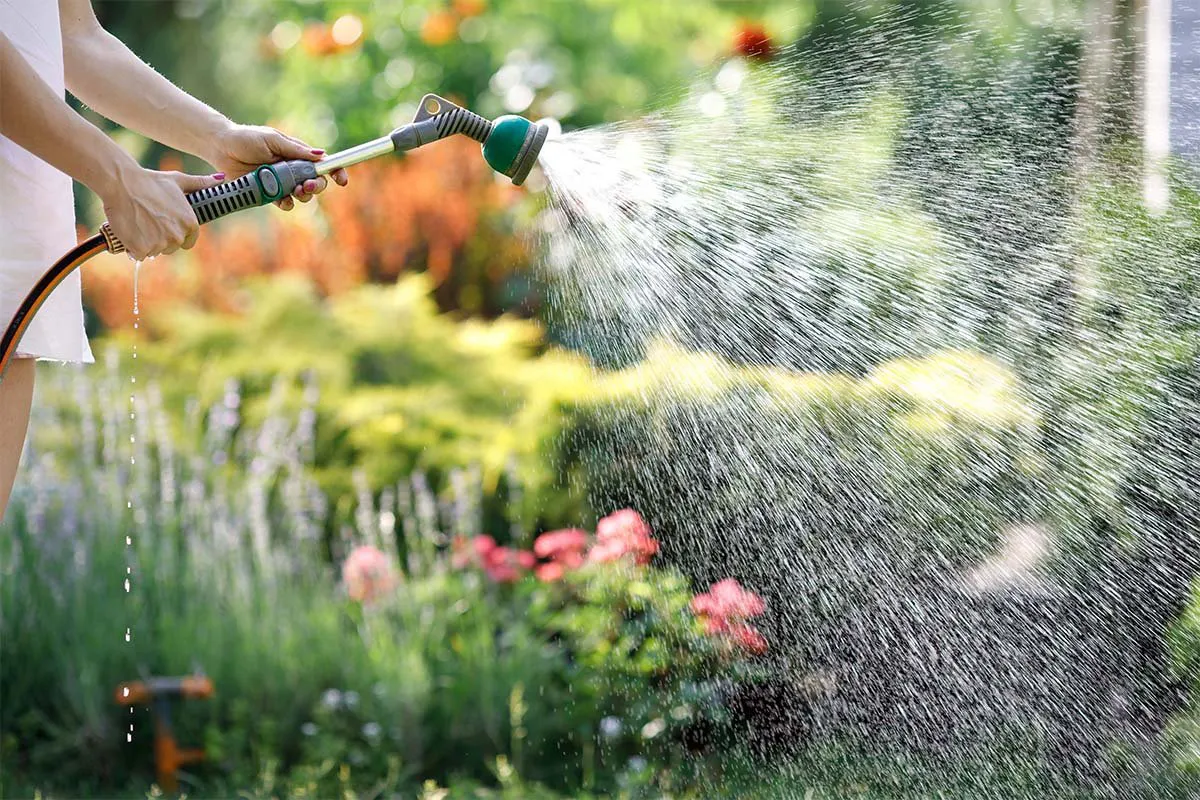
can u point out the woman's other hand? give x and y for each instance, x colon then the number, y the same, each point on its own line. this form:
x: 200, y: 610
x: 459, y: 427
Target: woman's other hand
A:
x: 149, y: 212
x: 241, y: 148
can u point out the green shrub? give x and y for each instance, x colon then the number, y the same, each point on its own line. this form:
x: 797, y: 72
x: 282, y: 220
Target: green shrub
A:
x: 399, y: 388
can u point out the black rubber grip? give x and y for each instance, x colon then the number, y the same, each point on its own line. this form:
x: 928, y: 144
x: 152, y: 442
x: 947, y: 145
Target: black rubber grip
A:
x: 225, y: 198
x: 279, y: 180
x: 459, y: 120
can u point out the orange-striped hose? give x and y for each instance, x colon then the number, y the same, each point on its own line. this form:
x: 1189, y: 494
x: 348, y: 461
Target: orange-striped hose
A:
x: 101, y: 242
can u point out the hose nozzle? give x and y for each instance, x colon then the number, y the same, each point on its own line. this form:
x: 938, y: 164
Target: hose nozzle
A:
x: 511, y: 144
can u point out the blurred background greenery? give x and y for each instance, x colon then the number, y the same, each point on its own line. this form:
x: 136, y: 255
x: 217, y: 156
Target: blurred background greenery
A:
x: 381, y: 368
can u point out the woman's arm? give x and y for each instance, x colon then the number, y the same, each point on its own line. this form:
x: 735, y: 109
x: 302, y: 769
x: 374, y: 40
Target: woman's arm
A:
x: 147, y: 209
x: 45, y: 125
x: 103, y: 73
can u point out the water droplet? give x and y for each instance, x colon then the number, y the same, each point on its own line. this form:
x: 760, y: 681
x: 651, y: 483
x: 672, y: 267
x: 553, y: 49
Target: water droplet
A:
x: 127, y: 585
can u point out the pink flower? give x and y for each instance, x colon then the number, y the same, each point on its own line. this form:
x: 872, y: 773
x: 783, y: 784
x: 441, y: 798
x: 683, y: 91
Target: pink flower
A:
x: 623, y: 524
x: 728, y: 600
x: 620, y: 534
x: 505, y: 565
x: 368, y: 574
x: 466, y: 552
x: 723, y: 611
x: 561, y: 545
x: 748, y: 638
x: 548, y: 573
x: 605, y: 552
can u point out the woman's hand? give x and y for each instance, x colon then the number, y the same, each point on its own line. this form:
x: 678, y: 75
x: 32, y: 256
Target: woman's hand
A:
x: 241, y: 148
x: 149, y: 212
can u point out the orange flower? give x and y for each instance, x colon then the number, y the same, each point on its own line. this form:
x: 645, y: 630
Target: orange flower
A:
x: 439, y: 28
x: 439, y: 209
x: 469, y: 8
x: 317, y: 39
x: 752, y: 41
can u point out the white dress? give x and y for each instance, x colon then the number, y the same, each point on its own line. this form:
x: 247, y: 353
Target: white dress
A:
x: 37, y: 209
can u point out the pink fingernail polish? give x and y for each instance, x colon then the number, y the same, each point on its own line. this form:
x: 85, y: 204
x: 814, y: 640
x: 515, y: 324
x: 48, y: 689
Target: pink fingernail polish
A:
x: 218, y: 176
x: 317, y: 152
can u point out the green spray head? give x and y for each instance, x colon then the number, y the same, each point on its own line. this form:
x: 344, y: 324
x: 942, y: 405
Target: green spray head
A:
x: 513, y: 146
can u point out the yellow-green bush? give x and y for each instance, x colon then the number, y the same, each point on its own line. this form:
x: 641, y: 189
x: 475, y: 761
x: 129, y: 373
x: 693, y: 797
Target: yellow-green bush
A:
x: 402, y: 388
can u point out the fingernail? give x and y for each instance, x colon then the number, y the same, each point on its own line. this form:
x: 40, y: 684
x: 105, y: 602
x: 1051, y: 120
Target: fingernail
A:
x: 218, y: 176
x: 317, y: 151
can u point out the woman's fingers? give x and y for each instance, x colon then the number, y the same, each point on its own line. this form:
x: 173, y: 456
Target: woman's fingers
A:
x: 194, y: 183
x: 283, y: 145
x: 190, y: 240
x: 307, y: 190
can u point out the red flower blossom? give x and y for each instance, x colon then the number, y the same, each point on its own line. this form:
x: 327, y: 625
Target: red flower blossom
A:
x: 620, y: 534
x: 753, y: 41
x: 368, y: 574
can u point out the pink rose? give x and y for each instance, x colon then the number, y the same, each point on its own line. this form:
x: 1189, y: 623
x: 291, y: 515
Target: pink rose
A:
x: 368, y: 574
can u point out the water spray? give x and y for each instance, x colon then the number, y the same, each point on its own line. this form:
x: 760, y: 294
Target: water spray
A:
x: 511, y: 146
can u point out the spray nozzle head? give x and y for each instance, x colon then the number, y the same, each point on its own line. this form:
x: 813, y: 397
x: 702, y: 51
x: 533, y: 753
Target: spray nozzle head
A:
x: 511, y: 145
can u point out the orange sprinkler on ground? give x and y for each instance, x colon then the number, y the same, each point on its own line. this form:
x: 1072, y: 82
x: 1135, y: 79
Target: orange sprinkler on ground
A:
x: 159, y: 694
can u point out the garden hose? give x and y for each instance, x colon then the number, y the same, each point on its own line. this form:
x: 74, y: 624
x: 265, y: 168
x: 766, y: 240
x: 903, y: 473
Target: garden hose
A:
x: 511, y: 146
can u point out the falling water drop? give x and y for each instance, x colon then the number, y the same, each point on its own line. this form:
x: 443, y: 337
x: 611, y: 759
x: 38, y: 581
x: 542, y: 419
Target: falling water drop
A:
x: 132, y: 457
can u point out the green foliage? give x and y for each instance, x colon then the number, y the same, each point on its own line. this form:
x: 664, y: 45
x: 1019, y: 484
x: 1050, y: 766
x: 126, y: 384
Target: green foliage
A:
x: 261, y: 60
x: 401, y: 388
x: 450, y: 676
x: 818, y: 445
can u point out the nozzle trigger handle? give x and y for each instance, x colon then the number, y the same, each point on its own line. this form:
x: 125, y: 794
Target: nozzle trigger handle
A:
x: 266, y: 184
x: 263, y: 185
